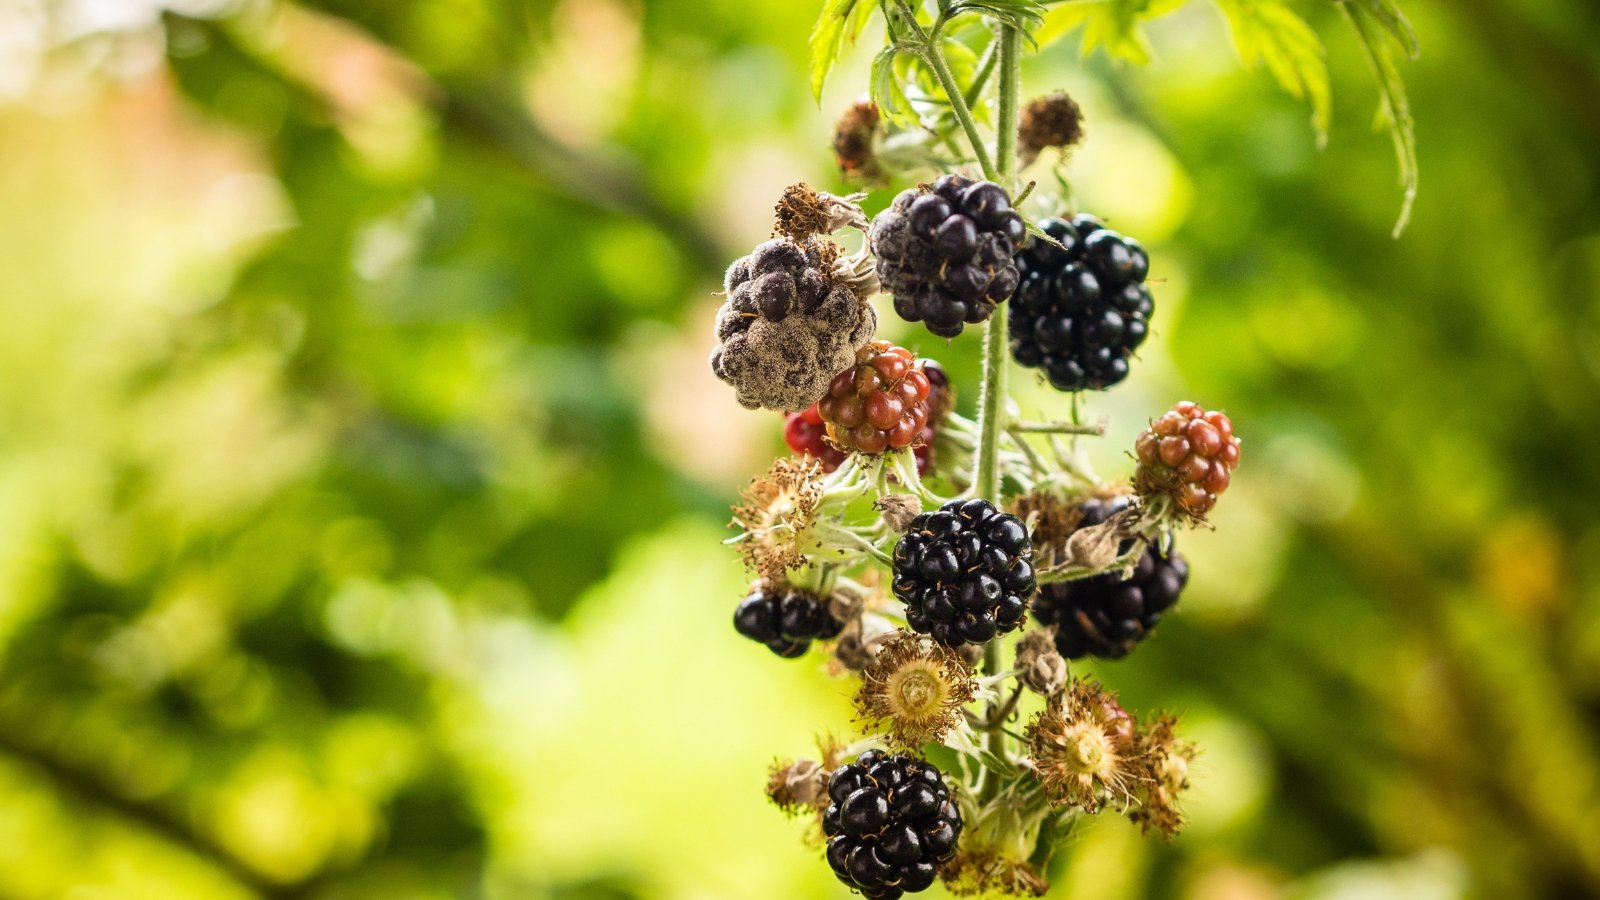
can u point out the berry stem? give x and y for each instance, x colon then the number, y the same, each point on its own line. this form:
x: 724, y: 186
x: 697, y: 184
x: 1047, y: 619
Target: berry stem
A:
x: 1098, y: 428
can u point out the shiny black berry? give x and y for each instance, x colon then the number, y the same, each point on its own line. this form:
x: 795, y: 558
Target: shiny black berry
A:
x: 945, y: 251
x: 891, y: 823
x: 1106, y: 616
x: 1082, y: 308
x: 965, y: 572
x: 787, y: 620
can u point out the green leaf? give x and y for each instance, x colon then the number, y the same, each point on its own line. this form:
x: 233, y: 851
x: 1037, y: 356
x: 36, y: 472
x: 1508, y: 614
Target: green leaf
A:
x: 840, y: 19
x: 1023, y: 15
x: 887, y: 90
x: 1110, y: 24
x: 1267, y: 31
x: 1394, y: 110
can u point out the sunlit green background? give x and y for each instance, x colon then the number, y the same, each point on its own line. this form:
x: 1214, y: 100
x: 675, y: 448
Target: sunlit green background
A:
x: 362, y: 479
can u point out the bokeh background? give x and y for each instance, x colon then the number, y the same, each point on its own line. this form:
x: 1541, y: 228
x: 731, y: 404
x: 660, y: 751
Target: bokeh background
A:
x: 362, y: 480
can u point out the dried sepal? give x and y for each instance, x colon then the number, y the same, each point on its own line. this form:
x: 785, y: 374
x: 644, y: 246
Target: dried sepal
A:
x: 777, y: 515
x: 796, y: 785
x: 916, y: 688
x: 1040, y: 668
x: 898, y: 510
x: 1084, y: 747
x: 1166, y: 759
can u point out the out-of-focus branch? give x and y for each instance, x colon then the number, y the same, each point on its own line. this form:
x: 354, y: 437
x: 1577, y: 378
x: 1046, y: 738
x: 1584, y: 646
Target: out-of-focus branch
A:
x: 610, y: 184
x: 91, y: 790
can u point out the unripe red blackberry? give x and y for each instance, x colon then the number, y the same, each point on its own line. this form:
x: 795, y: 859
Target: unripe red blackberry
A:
x: 1082, y: 308
x: 806, y: 435
x: 788, y: 325
x: 964, y: 572
x: 1107, y: 615
x: 878, y: 404
x: 945, y: 251
x: 891, y: 824
x: 1189, y: 455
x: 785, y: 619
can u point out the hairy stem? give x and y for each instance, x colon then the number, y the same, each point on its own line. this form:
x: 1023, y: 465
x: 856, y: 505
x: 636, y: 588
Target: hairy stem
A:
x: 992, y: 392
x: 934, y: 56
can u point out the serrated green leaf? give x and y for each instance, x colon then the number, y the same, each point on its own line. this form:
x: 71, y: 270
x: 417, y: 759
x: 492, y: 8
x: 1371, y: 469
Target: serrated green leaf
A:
x: 1269, y: 32
x: 1394, y: 110
x: 1113, y: 25
x: 828, y: 36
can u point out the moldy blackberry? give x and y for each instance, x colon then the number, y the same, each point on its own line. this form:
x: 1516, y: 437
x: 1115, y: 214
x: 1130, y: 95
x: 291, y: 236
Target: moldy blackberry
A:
x: 1080, y: 311
x: 787, y: 620
x: 1106, y: 615
x: 788, y: 325
x: 945, y: 251
x: 890, y: 825
x: 964, y: 572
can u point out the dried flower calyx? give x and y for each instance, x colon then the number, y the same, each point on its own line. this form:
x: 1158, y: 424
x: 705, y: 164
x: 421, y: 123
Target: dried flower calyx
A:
x: 1040, y: 667
x: 1054, y: 120
x: 915, y: 687
x: 1088, y: 751
x: 778, y: 514
x: 804, y: 211
x: 855, y: 143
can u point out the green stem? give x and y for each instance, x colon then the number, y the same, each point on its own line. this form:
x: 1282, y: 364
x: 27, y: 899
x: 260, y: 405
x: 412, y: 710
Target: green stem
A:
x: 992, y: 392
x: 1098, y: 428
x: 1010, y: 85
x: 933, y: 55
x: 974, y: 91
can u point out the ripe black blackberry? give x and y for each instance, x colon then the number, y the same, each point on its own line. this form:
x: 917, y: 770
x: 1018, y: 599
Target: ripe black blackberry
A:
x: 890, y: 825
x: 1106, y: 616
x: 945, y: 251
x: 1081, y: 311
x: 965, y: 572
x: 786, y: 619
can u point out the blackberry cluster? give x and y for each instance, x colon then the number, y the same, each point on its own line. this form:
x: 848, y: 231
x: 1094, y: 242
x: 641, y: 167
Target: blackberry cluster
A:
x: 945, y: 251
x: 964, y: 572
x: 1082, y: 310
x: 786, y: 620
x: 788, y: 326
x: 878, y: 404
x: 1188, y: 454
x: 1106, y: 615
x: 890, y: 825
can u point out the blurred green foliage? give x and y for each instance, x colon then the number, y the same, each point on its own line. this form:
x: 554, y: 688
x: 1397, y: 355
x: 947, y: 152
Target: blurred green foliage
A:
x: 361, y: 479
